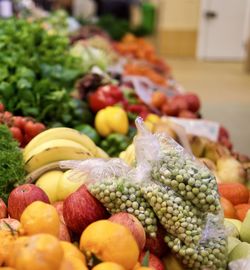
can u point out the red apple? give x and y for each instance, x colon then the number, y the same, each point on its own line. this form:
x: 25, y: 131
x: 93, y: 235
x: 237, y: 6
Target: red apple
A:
x: 9, y: 224
x: 59, y: 209
x: 226, y: 142
x: 64, y: 234
x: 223, y: 132
x: 187, y: 114
x: 81, y: 208
x: 170, y: 109
x: 154, y: 262
x: 3, y: 209
x: 180, y: 102
x: 157, y: 245
x: 193, y: 102
x: 22, y: 196
x: 133, y: 224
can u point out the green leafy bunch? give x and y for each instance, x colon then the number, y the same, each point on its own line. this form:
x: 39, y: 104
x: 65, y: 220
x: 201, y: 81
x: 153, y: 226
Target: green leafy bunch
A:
x: 37, y: 72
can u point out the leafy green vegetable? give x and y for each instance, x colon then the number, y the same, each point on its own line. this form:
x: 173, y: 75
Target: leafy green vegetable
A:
x: 12, y: 171
x: 37, y: 72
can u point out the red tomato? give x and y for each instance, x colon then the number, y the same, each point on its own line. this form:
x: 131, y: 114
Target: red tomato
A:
x: 1, y: 107
x: 32, y: 129
x: 17, y: 134
x: 7, y: 116
x: 19, y: 121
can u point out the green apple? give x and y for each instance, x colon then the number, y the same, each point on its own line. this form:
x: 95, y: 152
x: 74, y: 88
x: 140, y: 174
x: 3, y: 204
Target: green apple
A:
x: 232, y: 227
x: 232, y: 242
x: 69, y: 182
x: 48, y: 182
x: 245, y: 228
x: 240, y: 251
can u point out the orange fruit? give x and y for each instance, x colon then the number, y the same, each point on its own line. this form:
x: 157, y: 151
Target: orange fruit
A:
x: 40, y: 217
x: 72, y: 263
x: 70, y: 250
x: 108, y: 266
x: 6, y: 241
x: 110, y: 242
x: 40, y: 251
x: 228, y: 208
x: 7, y: 268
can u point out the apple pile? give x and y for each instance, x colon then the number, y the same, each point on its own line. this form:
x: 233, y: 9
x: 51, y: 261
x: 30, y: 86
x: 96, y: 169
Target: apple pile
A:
x: 23, y: 129
x: 184, y: 106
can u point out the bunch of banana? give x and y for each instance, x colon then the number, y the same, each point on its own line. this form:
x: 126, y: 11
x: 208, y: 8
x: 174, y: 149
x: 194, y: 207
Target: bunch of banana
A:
x: 128, y: 155
x: 58, y: 144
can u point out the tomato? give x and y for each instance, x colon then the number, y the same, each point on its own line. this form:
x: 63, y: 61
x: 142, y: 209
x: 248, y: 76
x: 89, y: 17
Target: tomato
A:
x: 19, y: 121
x: 7, y: 116
x: 17, y: 134
x: 1, y: 107
x: 32, y: 129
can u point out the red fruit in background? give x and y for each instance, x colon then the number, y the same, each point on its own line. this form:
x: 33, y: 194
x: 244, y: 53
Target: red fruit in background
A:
x: 180, y: 102
x: 170, y: 109
x: 81, y: 208
x: 193, y: 102
x: 157, y: 245
x: 134, y: 225
x: 9, y: 224
x: 1, y: 107
x: 32, y: 129
x: 19, y: 121
x: 226, y: 142
x: 3, y: 209
x: 187, y: 114
x: 241, y: 210
x: 154, y: 262
x: 17, y: 134
x: 27, y: 138
x: 7, y: 117
x: 223, y: 132
x: 22, y: 196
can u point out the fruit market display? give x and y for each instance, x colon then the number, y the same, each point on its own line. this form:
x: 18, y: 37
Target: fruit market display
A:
x: 86, y: 184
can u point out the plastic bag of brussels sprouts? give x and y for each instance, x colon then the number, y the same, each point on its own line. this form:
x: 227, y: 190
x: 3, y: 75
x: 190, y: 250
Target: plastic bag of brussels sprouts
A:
x: 183, y: 194
x: 113, y: 183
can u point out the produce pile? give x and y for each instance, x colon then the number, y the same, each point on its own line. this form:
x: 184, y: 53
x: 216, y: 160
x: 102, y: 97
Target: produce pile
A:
x: 85, y: 184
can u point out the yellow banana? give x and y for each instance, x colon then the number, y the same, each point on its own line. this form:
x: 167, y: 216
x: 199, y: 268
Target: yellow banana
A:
x: 128, y: 155
x: 55, y: 150
x: 60, y: 133
x: 101, y: 153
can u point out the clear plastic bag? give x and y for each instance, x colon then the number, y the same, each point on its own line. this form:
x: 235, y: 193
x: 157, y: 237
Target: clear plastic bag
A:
x: 183, y: 194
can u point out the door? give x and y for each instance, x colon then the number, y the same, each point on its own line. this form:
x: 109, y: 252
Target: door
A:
x: 222, y: 29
